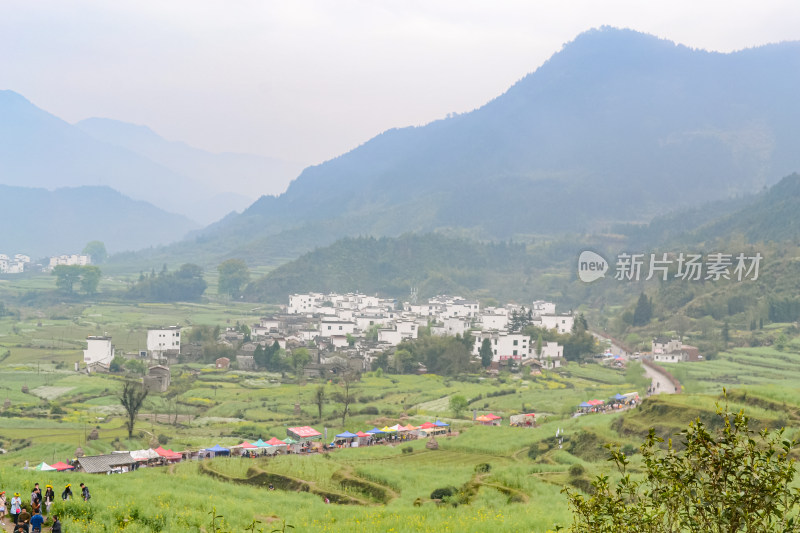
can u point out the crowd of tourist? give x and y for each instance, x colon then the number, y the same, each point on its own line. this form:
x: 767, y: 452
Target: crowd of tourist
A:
x: 32, y: 517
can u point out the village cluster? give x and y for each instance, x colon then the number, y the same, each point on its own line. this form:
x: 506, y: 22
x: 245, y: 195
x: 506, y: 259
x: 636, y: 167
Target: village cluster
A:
x: 350, y: 331
x: 19, y: 263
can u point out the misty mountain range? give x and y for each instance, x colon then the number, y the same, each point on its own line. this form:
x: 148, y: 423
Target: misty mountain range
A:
x: 38, y: 149
x: 618, y: 126
x: 39, y: 222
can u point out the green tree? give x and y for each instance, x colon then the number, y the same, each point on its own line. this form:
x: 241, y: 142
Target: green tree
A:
x: 300, y: 358
x: 97, y: 251
x: 539, y: 345
x: 135, y: 366
x: 90, y: 278
x: 486, y: 353
x: 643, y: 312
x: 233, y: 275
x: 131, y: 398
x: 458, y: 404
x: 66, y: 277
x: 347, y: 393
x: 732, y: 480
x: 319, y: 399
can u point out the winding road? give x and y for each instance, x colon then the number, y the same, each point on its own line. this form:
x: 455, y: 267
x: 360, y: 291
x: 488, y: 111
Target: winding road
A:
x: 661, y: 384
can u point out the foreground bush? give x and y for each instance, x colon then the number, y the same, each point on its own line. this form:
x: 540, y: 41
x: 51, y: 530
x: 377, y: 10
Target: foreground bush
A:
x: 735, y: 480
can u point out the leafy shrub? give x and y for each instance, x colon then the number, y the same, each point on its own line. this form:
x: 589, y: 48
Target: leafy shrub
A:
x: 162, y: 439
x: 370, y: 410
x: 576, y: 470
x: 483, y: 467
x: 407, y: 449
x: 443, y: 492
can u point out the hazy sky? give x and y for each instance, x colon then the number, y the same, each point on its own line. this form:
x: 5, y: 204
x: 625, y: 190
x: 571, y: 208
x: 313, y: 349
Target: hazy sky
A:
x: 309, y: 80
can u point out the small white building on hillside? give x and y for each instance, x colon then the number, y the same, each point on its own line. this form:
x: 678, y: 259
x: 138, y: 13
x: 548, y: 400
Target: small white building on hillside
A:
x: 98, y: 350
x: 164, y: 341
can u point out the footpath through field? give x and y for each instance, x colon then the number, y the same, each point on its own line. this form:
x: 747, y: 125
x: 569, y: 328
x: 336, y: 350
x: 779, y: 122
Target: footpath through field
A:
x: 660, y: 382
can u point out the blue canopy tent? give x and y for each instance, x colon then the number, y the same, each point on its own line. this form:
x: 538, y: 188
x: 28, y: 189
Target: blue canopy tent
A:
x: 618, y: 396
x: 374, y: 431
x: 218, y: 450
x: 440, y: 424
x: 346, y: 435
x: 585, y: 404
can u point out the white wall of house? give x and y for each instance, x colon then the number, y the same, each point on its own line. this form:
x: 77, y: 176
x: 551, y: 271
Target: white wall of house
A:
x: 328, y: 328
x: 676, y: 357
x: 540, y: 307
x: 98, y: 350
x: 663, y: 346
x: 550, y: 350
x: 408, y: 329
x: 494, y: 320
x: 163, y: 339
x: 561, y: 323
x: 389, y: 336
x: 456, y: 326
x: 505, y: 345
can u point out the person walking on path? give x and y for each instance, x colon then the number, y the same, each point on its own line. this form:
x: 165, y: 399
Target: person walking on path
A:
x: 16, y: 506
x: 49, y: 497
x: 56, y: 528
x: 36, y: 522
x: 2, y: 507
x: 85, y: 493
x: 67, y: 494
x: 24, y: 519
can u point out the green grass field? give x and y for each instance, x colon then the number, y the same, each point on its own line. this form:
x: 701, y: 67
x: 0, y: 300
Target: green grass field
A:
x: 47, y: 411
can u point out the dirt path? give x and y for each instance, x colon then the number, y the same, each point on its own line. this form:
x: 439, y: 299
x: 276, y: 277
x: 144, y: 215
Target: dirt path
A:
x: 661, y: 384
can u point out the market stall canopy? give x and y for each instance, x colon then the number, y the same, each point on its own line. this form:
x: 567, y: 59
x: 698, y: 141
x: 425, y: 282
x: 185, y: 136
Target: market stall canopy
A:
x: 387, y: 429
x: 427, y: 425
x: 261, y: 444
x: 303, y: 432
x: 409, y: 428
x: 595, y: 402
x: 440, y: 424
x: 483, y: 418
x: 491, y: 416
x: 585, y: 404
x: 290, y: 440
x: 247, y: 446
x: 44, y: 467
x: 397, y: 427
x: 168, y: 454
x: 361, y: 434
x: 618, y: 396
x: 218, y: 449
x: 346, y: 435
x: 374, y: 431
x: 276, y: 442
x: 144, y: 455
x: 62, y: 466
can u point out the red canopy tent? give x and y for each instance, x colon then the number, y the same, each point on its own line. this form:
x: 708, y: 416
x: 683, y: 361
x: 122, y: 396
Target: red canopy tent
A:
x: 361, y: 434
x: 276, y: 442
x: 168, y: 454
x: 303, y: 432
x: 427, y: 425
x: 247, y: 446
x: 62, y: 466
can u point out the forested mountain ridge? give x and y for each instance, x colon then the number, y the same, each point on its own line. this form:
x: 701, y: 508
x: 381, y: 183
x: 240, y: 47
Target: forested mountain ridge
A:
x: 64, y: 220
x: 616, y: 126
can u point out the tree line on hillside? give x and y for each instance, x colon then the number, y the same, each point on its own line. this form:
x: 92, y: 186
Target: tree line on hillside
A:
x: 185, y: 284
